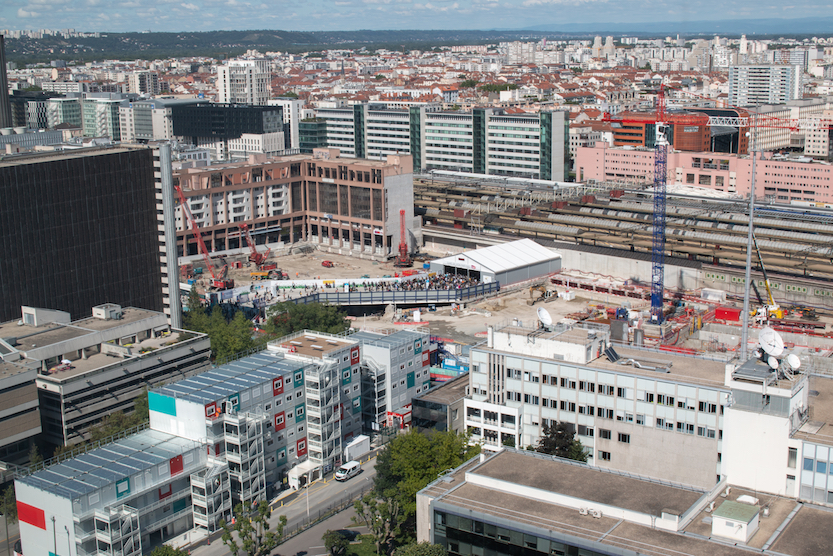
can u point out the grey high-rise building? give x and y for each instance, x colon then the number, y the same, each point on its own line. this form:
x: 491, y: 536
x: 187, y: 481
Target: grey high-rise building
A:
x: 5, y: 105
x: 80, y: 228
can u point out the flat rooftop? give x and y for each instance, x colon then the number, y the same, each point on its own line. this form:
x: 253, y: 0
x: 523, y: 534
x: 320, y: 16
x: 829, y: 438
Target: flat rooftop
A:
x: 30, y: 337
x: 808, y: 532
x: 693, y: 369
x: 96, y: 361
x: 231, y: 378
x: 589, y: 483
x: 315, y: 345
x: 448, y: 392
x: 52, y: 156
x: 105, y: 465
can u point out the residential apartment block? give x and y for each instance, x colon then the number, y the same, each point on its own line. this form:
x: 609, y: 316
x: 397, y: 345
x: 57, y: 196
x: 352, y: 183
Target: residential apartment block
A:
x: 243, y: 82
x: 321, y: 198
x: 751, y: 85
x: 483, y: 141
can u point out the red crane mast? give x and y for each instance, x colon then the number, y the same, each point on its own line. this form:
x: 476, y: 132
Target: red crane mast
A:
x: 220, y: 281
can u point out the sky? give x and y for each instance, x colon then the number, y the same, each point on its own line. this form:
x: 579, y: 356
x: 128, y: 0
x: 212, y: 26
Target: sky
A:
x: 346, y: 15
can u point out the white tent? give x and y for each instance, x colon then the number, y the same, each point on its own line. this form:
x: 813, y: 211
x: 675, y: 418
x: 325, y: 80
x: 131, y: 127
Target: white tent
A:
x: 506, y: 263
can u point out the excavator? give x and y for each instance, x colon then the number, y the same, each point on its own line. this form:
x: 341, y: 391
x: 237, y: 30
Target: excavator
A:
x: 544, y: 294
x: 768, y: 309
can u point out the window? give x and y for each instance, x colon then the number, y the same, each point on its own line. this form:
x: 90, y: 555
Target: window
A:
x: 605, y: 456
x: 792, y: 457
x: 604, y: 433
x: 624, y: 438
x: 640, y: 419
x: 707, y: 407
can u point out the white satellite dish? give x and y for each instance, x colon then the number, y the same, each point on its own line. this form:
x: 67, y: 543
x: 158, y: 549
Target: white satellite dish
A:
x: 772, y: 362
x: 544, y: 317
x: 793, y: 361
x: 771, y: 342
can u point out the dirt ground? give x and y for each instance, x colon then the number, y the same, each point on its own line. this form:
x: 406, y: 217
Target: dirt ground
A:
x: 467, y: 326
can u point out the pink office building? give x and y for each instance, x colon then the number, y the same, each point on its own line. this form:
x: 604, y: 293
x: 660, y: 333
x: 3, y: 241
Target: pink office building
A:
x: 779, y: 178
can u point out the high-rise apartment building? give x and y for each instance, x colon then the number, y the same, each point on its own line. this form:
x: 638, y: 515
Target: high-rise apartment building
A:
x: 243, y: 82
x: 78, y: 228
x: 483, y: 141
x: 100, y: 117
x: 751, y: 85
x: 291, y: 117
x: 143, y: 83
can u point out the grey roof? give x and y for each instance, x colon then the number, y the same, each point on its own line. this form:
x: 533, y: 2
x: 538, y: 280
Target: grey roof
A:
x: 231, y: 378
x: 103, y: 466
x: 388, y: 340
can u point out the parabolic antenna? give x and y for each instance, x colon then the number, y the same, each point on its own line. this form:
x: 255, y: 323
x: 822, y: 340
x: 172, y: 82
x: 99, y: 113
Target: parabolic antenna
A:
x: 771, y: 342
x: 544, y: 317
x: 772, y: 362
x: 793, y: 361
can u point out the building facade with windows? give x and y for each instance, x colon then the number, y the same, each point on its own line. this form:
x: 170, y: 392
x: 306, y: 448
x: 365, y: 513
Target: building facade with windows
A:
x: 523, y: 379
x: 751, y: 85
x: 320, y: 198
x: 244, y: 82
x: 91, y: 217
x: 483, y: 141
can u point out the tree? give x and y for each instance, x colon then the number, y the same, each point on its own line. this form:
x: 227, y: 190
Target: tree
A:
x: 168, y: 550
x: 559, y: 440
x: 34, y: 455
x: 469, y: 83
x: 335, y: 542
x: 421, y: 549
x: 8, y: 504
x: 410, y: 462
x: 228, y: 335
x: 379, y: 77
x: 383, y: 519
x: 254, y: 537
x: 286, y: 318
x: 509, y: 441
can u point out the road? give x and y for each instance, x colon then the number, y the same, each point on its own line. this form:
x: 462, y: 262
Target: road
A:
x: 323, y: 496
x: 309, y: 542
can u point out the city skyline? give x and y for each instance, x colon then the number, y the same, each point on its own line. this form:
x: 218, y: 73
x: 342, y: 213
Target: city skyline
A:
x: 345, y: 15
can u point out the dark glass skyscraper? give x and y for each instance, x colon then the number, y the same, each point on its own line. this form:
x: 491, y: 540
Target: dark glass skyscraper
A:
x: 78, y: 229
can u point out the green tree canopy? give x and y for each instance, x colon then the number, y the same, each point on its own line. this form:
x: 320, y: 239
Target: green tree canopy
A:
x: 494, y: 87
x: 167, y: 550
x: 228, y: 337
x: 421, y: 549
x: 469, y: 83
x: 286, y: 318
x: 335, y: 542
x: 8, y: 504
x: 383, y: 518
x: 254, y: 534
x: 559, y: 440
x: 411, y: 461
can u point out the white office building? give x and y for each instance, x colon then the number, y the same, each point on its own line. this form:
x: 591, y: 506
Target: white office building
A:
x: 244, y: 82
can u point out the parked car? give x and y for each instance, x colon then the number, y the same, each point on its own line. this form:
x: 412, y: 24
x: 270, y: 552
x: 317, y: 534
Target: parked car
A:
x: 328, y: 264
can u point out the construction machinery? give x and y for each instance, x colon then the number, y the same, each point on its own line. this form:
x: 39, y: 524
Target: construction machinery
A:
x: 254, y: 256
x: 218, y: 279
x: 543, y: 294
x: 768, y: 309
x: 403, y: 260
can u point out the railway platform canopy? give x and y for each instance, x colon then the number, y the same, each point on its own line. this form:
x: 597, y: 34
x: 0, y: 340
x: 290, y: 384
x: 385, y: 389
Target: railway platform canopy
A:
x: 507, y: 263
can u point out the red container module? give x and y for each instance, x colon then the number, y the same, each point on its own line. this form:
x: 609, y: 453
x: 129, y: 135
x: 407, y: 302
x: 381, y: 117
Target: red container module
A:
x: 727, y: 313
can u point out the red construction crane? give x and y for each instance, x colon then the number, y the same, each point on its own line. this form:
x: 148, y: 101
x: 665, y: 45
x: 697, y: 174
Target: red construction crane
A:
x: 404, y: 258
x: 254, y: 256
x: 217, y: 281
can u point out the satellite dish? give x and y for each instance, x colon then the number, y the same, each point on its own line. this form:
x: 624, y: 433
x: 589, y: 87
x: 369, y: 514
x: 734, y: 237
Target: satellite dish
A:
x: 772, y: 362
x: 793, y: 361
x: 544, y: 317
x: 771, y: 342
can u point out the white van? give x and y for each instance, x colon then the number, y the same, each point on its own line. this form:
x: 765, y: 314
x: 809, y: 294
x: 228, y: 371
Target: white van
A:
x: 348, y: 470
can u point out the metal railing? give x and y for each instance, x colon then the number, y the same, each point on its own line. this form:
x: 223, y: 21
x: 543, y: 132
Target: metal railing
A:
x: 422, y: 297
